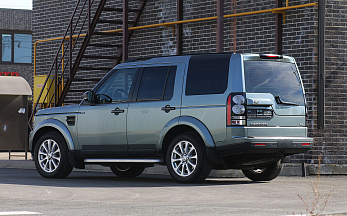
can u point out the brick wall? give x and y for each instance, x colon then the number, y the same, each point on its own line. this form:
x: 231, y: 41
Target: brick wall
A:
x: 331, y: 142
x: 246, y: 34
x: 12, y: 19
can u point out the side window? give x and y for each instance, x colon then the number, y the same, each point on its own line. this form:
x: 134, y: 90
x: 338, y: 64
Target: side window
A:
x: 116, y: 88
x: 170, y: 83
x: 207, y: 74
x: 157, y: 83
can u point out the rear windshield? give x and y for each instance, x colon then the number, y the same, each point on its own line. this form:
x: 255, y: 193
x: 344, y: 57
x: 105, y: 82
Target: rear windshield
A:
x: 278, y: 78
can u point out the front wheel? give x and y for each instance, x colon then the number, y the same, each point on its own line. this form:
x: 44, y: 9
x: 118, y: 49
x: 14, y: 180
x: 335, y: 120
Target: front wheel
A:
x: 127, y: 171
x: 264, y: 174
x: 51, y: 156
x: 186, y: 159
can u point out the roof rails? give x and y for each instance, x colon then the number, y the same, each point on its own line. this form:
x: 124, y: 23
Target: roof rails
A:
x: 150, y: 57
x: 140, y: 59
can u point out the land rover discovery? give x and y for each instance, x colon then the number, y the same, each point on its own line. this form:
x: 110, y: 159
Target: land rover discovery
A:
x: 192, y: 113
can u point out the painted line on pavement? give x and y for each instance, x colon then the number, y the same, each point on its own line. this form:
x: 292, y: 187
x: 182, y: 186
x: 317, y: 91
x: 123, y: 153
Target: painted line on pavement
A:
x: 19, y: 213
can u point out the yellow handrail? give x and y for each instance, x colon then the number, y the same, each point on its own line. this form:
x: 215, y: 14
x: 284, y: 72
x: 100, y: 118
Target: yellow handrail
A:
x: 171, y: 24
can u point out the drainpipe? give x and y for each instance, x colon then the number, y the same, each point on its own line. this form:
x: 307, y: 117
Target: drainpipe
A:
x: 220, y: 25
x: 179, y: 49
x: 321, y: 64
x: 278, y: 29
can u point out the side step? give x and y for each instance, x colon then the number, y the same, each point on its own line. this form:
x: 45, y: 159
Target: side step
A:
x: 123, y: 160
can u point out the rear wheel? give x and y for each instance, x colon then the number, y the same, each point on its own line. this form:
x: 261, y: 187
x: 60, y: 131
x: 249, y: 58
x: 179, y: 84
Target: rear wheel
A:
x: 51, y: 156
x: 264, y: 174
x: 126, y: 171
x: 186, y: 159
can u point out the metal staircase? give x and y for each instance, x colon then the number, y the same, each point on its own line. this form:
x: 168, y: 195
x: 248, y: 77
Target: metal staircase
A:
x: 89, y: 48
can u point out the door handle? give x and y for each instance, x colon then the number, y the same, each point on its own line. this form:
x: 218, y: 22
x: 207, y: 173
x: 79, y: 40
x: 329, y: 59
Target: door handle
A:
x: 117, y: 111
x: 168, y: 108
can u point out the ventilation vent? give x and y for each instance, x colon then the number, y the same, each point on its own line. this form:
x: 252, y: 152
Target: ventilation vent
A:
x: 70, y: 120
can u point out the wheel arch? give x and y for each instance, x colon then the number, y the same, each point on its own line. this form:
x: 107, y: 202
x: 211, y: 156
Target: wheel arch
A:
x: 185, y: 124
x: 51, y: 125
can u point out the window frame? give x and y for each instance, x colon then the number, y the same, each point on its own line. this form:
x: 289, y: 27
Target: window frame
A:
x: 12, y: 33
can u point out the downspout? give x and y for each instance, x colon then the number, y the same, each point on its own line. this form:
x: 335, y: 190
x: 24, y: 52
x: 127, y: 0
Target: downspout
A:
x: 321, y: 64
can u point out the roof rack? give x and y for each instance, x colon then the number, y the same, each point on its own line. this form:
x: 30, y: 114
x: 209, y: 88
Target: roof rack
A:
x: 140, y: 59
x: 150, y: 57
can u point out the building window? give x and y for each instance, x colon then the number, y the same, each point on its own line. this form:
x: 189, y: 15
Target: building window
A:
x: 6, y: 47
x: 16, y: 48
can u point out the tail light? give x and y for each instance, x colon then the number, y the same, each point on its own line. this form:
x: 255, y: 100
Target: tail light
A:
x: 236, y: 109
x: 270, y: 56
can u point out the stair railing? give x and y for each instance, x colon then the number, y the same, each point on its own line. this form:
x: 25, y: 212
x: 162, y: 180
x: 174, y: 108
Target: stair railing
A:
x: 59, y: 61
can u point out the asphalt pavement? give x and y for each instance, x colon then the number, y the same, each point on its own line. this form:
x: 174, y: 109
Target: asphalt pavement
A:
x: 17, y: 160
x: 25, y: 192
x: 96, y: 191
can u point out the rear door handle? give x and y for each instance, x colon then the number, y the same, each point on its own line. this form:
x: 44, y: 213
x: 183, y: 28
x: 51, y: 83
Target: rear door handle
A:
x: 117, y: 111
x: 168, y: 108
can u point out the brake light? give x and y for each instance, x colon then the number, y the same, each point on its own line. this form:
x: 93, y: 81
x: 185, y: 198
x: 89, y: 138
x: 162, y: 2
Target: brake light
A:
x: 236, y: 109
x: 270, y: 56
x: 306, y: 144
x: 229, y: 110
x: 260, y: 144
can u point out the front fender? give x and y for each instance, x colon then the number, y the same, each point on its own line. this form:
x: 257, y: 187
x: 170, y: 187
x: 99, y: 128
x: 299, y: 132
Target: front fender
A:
x: 200, y: 128
x: 54, y: 124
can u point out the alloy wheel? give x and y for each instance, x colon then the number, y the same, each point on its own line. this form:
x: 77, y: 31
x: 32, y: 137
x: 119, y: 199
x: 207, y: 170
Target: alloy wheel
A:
x: 184, y: 158
x: 49, y: 155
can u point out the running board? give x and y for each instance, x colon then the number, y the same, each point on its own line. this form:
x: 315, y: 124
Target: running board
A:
x: 123, y: 160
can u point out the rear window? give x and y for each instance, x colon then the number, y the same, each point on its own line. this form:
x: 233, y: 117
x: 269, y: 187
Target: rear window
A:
x: 208, y: 74
x: 278, y: 78
x: 157, y: 83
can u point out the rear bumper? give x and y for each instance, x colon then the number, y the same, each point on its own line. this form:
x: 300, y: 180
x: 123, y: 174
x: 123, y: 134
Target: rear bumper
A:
x: 266, y: 145
x: 256, y: 152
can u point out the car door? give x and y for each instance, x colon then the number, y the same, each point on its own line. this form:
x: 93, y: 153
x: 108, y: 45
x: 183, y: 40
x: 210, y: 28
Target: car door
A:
x: 156, y: 100
x: 102, y: 125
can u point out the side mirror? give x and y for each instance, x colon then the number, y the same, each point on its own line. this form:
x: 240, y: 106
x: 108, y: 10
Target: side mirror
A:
x: 89, y: 96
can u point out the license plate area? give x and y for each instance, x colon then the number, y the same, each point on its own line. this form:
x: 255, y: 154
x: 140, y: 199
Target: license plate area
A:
x: 260, y: 113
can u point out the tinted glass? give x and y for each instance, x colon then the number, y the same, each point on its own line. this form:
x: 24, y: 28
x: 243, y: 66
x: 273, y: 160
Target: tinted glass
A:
x: 153, y: 83
x: 22, y: 48
x: 117, y: 86
x: 6, y: 47
x: 208, y: 74
x: 278, y: 78
x: 169, y: 89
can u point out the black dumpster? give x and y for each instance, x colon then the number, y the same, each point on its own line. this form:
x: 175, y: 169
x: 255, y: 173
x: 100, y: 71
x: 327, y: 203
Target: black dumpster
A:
x: 14, y: 92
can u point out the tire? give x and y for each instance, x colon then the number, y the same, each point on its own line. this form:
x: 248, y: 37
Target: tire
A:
x: 51, y: 156
x: 126, y: 171
x: 267, y: 174
x: 186, y: 159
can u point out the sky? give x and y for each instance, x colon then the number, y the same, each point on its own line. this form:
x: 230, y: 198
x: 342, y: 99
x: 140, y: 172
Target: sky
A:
x: 16, y: 4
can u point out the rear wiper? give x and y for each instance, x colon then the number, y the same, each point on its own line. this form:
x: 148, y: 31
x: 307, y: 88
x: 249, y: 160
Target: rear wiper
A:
x: 279, y: 101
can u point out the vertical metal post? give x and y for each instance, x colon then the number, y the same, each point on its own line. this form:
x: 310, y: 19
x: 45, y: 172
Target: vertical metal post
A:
x: 278, y: 29
x: 55, y: 81
x: 89, y: 5
x: 70, y: 51
x: 220, y: 25
x: 179, y: 36
x: 125, y: 30
x: 321, y: 64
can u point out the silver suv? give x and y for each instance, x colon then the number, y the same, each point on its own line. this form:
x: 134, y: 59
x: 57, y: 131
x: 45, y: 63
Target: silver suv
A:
x: 192, y: 113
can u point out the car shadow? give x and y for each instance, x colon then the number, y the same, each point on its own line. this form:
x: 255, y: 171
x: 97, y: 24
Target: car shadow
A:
x: 107, y: 179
